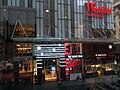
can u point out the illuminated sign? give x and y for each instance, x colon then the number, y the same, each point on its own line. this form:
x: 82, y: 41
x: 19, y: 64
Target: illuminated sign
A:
x: 97, y: 12
x: 75, y: 56
x: 100, y: 54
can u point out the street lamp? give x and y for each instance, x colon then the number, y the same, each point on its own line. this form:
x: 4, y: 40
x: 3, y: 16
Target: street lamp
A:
x: 47, y: 10
x: 110, y: 47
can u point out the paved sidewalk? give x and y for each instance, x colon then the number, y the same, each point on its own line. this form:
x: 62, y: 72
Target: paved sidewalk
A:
x: 66, y: 85
x: 93, y: 82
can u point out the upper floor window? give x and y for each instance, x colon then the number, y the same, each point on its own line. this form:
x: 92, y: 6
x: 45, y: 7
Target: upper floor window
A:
x: 119, y: 7
x: 30, y: 3
x: 22, y: 3
x: 4, y: 2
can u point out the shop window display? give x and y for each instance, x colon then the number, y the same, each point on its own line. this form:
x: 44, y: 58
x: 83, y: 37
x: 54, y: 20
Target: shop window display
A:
x: 24, y: 49
x: 6, y: 71
x: 26, y: 71
x: 25, y: 66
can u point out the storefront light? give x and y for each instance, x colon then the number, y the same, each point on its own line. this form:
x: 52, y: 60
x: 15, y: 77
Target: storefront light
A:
x: 39, y: 63
x: 18, y: 45
x: 65, y: 17
x: 60, y: 44
x: 39, y: 67
x: 110, y: 46
x: 53, y: 60
x: 47, y: 10
x: 115, y: 62
x: 54, y: 49
x: 42, y: 54
x: 39, y: 60
x: 39, y: 48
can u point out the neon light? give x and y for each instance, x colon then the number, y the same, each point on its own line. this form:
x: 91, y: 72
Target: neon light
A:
x: 97, y: 12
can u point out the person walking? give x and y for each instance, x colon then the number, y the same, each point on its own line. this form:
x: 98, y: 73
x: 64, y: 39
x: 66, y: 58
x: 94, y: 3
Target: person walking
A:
x: 83, y: 78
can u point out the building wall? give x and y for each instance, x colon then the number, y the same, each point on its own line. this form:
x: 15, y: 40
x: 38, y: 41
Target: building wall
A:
x: 67, y: 18
x: 117, y: 18
x: 18, y: 3
x: 117, y: 29
x: 3, y: 36
x: 14, y: 14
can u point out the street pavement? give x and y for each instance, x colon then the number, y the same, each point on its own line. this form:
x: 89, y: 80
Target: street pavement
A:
x: 66, y: 85
x: 104, y: 82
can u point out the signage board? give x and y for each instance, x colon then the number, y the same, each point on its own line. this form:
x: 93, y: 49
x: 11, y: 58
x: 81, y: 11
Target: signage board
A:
x: 94, y: 11
x: 74, y: 76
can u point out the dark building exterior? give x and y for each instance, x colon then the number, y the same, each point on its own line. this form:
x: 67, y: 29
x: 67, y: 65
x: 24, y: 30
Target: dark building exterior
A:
x: 31, y: 25
x: 17, y: 19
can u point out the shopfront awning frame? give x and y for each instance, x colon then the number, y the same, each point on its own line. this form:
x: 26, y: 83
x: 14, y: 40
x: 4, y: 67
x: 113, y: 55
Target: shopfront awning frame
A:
x: 68, y: 40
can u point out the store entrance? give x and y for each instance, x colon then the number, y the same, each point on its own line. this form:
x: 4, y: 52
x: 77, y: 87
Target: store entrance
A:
x: 50, y: 69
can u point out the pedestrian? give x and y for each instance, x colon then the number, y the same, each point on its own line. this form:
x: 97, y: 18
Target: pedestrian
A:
x: 26, y: 80
x: 57, y: 76
x: 35, y: 79
x: 78, y: 78
x: 83, y: 78
x: 43, y: 77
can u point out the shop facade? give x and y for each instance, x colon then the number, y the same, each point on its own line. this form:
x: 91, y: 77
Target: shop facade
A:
x: 39, y: 60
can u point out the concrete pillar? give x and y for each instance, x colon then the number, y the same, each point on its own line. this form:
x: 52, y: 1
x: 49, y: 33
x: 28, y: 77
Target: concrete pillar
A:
x: 39, y: 75
x: 16, y: 71
x: 39, y: 70
x: 62, y: 69
x: 62, y: 73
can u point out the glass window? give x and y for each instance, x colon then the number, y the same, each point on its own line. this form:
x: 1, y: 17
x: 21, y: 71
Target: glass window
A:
x: 59, y: 27
x: 41, y: 9
x: 38, y: 9
x: 56, y: 32
x: 55, y: 2
x: 62, y: 11
x: 29, y: 3
x: 17, y: 2
x: 23, y: 2
x: 26, y: 3
x: 13, y: 2
x: 75, y: 18
x: 69, y: 28
x: 62, y: 1
x: 59, y: 1
x: 29, y: 31
x: 68, y: 1
x: 59, y: 11
x: 0, y: 2
x: 4, y: 2
x: 63, y: 28
x: 33, y: 3
x: 24, y: 49
x: 76, y: 33
x: 9, y: 2
x: 75, y: 6
x: 69, y: 14
x: 56, y: 19
x: 41, y: 28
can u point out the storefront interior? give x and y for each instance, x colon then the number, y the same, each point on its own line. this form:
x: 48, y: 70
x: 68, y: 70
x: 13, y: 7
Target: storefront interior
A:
x: 50, y: 69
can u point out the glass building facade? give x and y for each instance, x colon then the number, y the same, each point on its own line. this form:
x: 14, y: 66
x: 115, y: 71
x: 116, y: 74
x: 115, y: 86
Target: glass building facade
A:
x: 67, y: 19
x: 18, y: 3
x: 54, y: 19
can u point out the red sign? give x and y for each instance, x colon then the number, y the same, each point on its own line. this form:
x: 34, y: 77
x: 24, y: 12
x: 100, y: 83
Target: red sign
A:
x: 97, y: 12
